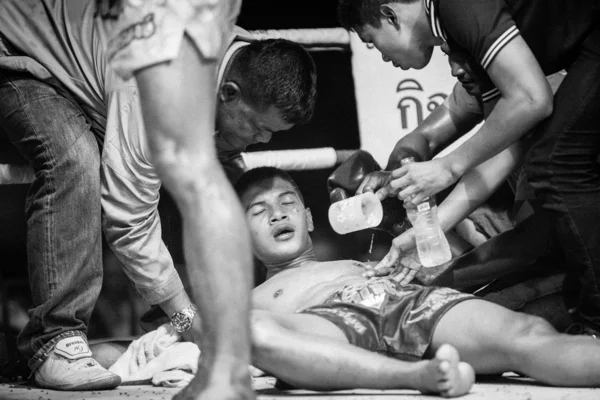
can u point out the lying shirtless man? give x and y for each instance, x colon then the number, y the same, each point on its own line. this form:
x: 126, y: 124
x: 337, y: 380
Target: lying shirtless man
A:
x: 308, y: 311
x: 324, y: 326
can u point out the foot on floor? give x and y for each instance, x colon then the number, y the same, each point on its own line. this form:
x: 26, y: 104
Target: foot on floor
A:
x: 446, y: 375
x: 70, y: 366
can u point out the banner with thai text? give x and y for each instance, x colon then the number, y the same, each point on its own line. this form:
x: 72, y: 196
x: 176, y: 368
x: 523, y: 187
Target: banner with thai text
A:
x: 392, y: 102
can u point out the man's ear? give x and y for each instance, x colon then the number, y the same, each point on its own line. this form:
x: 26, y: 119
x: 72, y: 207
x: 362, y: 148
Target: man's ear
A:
x: 389, y: 14
x: 309, y: 220
x: 229, y: 91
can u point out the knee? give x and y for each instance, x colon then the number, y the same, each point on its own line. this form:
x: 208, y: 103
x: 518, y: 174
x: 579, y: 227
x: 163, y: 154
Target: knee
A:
x: 526, y: 326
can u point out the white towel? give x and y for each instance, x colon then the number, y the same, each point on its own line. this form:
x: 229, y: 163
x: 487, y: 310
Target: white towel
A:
x: 159, y: 356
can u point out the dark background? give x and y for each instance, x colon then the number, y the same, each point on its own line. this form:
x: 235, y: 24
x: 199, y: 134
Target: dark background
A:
x: 271, y: 14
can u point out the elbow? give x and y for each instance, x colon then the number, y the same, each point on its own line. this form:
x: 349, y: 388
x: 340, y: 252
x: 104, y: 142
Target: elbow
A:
x: 540, y: 105
x: 545, y: 107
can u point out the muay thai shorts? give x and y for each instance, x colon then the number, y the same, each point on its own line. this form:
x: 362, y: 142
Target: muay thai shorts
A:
x: 382, y: 316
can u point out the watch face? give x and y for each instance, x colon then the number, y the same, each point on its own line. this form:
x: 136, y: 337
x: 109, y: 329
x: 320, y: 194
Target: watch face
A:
x: 181, y: 322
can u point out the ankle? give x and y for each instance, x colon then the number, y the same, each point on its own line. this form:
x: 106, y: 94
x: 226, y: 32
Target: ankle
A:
x: 419, y: 377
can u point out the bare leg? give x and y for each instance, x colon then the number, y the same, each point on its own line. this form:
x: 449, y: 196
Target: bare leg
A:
x: 494, y: 339
x: 310, y: 352
x: 178, y: 103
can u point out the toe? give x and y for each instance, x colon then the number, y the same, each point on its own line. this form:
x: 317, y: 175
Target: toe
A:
x: 449, y: 353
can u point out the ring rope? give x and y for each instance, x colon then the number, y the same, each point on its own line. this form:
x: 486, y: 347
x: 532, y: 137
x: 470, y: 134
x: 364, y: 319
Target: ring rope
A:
x: 289, y: 160
x: 317, y: 39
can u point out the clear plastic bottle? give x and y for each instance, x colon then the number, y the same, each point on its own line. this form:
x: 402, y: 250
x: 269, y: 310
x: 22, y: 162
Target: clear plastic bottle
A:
x: 432, y: 245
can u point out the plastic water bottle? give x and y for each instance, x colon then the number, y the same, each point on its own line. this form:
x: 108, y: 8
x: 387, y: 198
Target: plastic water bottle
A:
x: 432, y: 245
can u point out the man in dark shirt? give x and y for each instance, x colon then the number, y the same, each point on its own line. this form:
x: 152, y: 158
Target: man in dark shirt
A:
x: 516, y: 43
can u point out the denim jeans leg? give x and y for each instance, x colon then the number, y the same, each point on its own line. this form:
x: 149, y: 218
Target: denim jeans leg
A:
x: 562, y: 168
x: 63, y: 209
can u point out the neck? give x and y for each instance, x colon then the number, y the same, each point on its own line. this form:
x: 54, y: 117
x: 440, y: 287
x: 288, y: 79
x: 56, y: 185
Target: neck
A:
x: 308, y: 256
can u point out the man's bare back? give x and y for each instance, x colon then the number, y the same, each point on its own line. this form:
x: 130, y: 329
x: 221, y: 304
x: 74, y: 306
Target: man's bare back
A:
x: 308, y: 285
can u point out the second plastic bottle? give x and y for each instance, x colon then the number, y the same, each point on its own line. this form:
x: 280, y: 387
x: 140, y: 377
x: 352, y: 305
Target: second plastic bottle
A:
x: 432, y: 245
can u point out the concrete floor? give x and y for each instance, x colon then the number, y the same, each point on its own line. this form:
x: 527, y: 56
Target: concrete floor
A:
x: 507, y: 387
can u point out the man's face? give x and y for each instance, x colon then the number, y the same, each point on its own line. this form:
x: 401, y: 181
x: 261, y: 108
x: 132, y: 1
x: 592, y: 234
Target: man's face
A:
x: 240, y: 124
x: 404, y: 38
x: 464, y: 70
x: 278, y: 221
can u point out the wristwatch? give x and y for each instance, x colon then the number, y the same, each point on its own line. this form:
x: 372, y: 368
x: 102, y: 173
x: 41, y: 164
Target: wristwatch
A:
x: 182, y: 320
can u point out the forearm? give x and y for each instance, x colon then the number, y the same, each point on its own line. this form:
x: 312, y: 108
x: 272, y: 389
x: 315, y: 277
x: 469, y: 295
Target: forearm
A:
x: 132, y: 229
x: 510, y: 120
x: 477, y: 185
x: 175, y: 304
x: 474, y: 188
x: 444, y: 125
x: 415, y: 144
x: 152, y: 272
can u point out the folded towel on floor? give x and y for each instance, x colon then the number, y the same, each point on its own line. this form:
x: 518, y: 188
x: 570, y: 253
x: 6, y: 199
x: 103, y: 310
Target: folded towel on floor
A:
x: 159, y: 356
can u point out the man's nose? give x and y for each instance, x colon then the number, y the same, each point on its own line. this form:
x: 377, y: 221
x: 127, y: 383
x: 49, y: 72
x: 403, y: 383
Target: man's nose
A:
x: 385, y: 58
x: 278, y: 214
x: 456, y: 68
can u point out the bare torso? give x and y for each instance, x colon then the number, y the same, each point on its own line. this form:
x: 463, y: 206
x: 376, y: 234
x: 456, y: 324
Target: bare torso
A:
x: 308, y: 285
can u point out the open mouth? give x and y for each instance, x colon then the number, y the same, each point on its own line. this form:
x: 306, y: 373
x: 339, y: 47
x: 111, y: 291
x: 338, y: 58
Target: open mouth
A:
x: 283, y: 232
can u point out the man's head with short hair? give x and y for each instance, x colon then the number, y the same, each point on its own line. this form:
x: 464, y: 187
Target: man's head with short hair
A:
x: 278, y: 220
x: 268, y: 86
x: 256, y: 176
x: 399, y: 29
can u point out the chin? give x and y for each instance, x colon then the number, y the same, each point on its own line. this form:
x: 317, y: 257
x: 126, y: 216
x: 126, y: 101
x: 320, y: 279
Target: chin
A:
x: 291, y: 252
x: 425, y: 58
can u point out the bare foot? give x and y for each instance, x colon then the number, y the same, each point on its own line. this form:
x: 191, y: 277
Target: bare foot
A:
x: 446, y: 375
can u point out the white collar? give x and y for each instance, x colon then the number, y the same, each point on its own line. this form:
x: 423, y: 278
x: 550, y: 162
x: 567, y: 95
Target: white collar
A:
x: 434, y: 21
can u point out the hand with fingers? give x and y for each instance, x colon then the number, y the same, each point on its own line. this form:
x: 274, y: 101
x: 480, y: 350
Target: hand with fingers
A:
x: 419, y: 180
x: 401, y: 263
x: 359, y: 174
x: 375, y: 182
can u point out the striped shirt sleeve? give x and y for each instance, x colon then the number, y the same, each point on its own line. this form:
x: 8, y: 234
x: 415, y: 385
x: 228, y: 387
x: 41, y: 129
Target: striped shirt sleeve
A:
x: 482, y: 28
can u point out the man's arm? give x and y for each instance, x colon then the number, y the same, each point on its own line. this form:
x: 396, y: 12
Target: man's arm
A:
x: 525, y: 100
x: 473, y: 189
x: 456, y: 116
x: 460, y: 113
x: 130, y: 195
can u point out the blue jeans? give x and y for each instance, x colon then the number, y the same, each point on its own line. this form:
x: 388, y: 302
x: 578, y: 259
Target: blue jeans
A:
x: 561, y: 167
x: 62, y: 209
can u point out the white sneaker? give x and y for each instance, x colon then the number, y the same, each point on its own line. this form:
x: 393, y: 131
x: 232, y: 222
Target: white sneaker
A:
x: 70, y: 366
